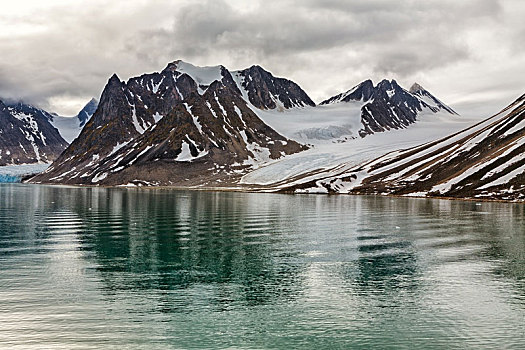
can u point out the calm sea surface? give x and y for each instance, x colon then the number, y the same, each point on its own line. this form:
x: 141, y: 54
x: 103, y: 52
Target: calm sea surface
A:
x: 161, y: 269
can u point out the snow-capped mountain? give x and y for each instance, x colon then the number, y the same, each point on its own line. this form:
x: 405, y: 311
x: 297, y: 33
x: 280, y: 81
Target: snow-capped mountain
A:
x: 361, y: 111
x: 483, y: 161
x: 70, y: 127
x: 27, y: 136
x: 388, y: 106
x: 185, y: 125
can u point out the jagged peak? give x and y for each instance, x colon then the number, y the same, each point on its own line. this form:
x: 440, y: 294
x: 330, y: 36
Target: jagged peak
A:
x: 364, y: 84
x: 388, y: 83
x: 114, y: 79
x: 255, y: 67
x: 172, y: 65
x: 415, y: 88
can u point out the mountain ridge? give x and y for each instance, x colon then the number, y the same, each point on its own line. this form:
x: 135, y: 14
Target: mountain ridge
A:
x: 27, y: 135
x: 482, y: 161
x: 166, y: 127
x: 388, y: 106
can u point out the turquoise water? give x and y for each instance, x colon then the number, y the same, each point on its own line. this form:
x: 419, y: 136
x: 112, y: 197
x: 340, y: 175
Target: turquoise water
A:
x: 159, y: 269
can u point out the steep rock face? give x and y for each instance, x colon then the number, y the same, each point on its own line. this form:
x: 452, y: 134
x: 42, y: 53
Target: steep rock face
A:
x: 265, y: 91
x: 27, y: 136
x: 484, y: 161
x: 183, y: 126
x: 388, y: 106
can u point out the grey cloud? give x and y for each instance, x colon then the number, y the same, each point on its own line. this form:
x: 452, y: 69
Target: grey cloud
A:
x: 400, y: 34
x: 325, y: 45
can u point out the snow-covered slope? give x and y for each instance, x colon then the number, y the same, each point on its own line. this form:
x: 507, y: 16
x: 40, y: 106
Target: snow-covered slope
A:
x: 315, y: 125
x: 484, y: 160
x: 70, y: 127
x: 27, y: 136
x: 329, y: 157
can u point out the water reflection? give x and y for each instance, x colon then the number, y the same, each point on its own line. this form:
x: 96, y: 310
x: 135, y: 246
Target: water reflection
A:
x: 273, y: 270
x: 165, y: 240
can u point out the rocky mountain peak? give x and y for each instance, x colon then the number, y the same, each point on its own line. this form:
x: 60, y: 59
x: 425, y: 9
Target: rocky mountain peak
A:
x: 361, y: 92
x: 387, y: 105
x: 183, y: 125
x: 265, y: 91
x: 172, y: 66
x: 114, y: 80
x: 388, y: 85
x: 415, y: 88
x: 428, y: 100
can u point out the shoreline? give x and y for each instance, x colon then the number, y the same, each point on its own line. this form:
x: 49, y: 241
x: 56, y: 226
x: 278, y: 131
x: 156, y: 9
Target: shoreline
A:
x: 253, y: 190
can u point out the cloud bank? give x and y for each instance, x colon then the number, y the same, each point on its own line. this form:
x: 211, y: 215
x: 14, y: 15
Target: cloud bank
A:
x: 58, y: 55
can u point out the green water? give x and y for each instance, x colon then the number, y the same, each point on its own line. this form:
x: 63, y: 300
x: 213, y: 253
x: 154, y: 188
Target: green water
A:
x: 159, y: 269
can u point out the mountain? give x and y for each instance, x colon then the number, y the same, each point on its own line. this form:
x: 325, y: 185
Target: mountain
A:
x: 87, y: 112
x: 388, y: 106
x: 484, y: 161
x: 360, y: 112
x: 27, y: 136
x: 183, y: 126
x: 265, y: 91
x: 70, y: 127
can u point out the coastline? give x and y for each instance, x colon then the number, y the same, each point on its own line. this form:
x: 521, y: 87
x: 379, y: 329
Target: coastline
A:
x: 254, y: 190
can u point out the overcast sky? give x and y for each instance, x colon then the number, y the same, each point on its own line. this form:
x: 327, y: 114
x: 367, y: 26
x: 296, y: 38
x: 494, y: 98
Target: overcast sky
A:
x: 470, y: 53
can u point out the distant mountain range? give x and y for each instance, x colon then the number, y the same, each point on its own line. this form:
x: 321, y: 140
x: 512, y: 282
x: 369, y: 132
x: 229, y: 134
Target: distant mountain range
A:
x: 87, y: 112
x: 26, y: 135
x: 196, y: 126
x: 209, y: 127
x: 482, y: 161
x: 388, y: 106
x: 30, y: 135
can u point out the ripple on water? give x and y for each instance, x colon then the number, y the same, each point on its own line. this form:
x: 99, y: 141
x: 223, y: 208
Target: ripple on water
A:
x: 115, y: 268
